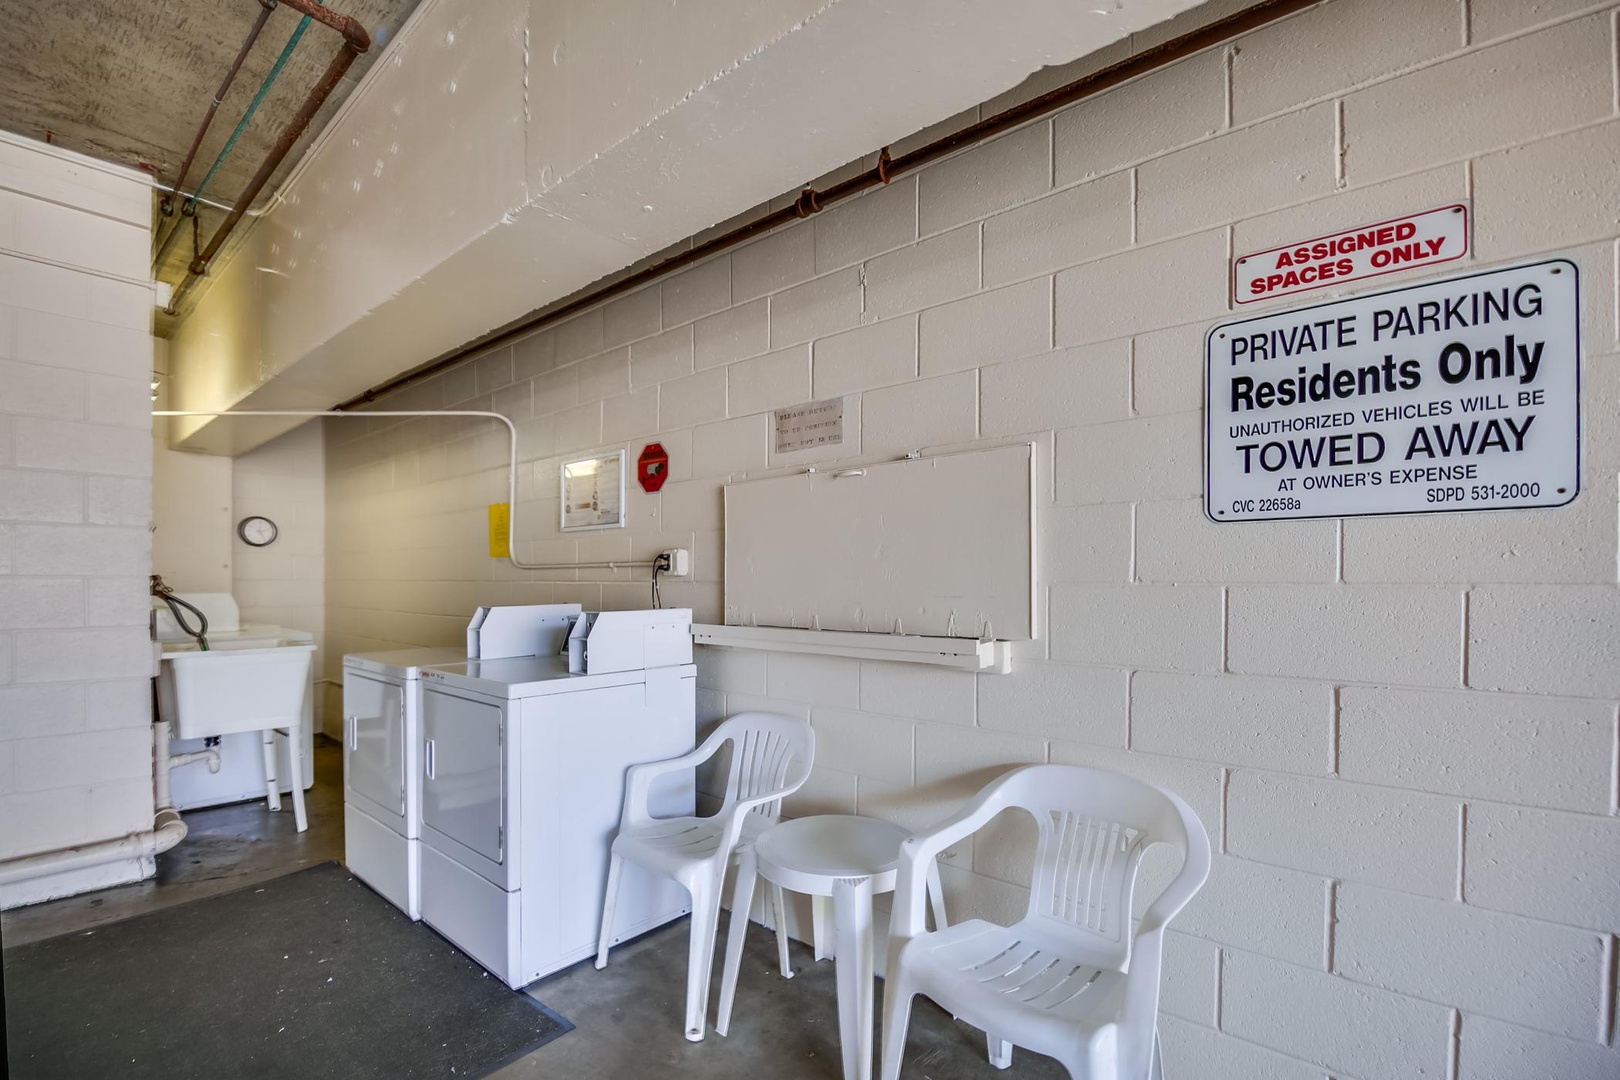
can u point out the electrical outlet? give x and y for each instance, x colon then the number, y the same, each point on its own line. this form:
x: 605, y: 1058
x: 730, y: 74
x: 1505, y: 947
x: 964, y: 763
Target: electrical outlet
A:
x: 676, y: 562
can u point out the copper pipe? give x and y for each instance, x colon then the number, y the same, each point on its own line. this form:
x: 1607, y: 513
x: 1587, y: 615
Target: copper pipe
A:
x: 266, y: 7
x: 289, y: 136
x: 811, y: 201
x: 353, y: 33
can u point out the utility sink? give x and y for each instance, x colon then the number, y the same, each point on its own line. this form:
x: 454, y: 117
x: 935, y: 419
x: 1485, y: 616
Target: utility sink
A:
x: 227, y: 690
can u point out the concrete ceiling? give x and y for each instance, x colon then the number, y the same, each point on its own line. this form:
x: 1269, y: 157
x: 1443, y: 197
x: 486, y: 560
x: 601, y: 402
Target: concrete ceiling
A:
x: 509, y: 152
x: 131, y: 82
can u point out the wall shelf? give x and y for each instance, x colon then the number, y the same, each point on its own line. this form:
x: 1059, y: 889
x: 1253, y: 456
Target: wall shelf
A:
x: 964, y: 654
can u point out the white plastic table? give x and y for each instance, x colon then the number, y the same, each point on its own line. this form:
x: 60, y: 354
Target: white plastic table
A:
x: 850, y: 859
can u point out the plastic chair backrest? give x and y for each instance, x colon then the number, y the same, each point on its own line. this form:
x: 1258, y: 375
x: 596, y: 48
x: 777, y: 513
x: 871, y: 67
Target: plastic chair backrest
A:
x: 764, y: 747
x: 1094, y: 828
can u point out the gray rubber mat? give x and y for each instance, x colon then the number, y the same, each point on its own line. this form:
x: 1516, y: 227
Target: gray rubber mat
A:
x: 308, y: 975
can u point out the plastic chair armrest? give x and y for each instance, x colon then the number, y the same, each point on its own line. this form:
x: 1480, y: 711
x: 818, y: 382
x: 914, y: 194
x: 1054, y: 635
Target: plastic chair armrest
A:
x: 639, y: 780
x: 911, y: 884
x: 1188, y: 880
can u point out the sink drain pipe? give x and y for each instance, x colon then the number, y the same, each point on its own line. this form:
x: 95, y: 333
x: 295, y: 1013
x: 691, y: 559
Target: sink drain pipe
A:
x: 167, y: 828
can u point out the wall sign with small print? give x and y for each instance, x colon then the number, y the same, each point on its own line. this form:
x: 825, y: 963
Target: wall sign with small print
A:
x: 807, y: 426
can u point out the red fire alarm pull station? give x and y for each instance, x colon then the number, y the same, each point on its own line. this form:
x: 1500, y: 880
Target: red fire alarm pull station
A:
x: 652, y: 467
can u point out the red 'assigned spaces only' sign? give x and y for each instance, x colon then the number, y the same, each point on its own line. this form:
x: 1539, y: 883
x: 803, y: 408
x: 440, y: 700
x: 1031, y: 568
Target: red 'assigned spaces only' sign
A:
x: 1387, y: 247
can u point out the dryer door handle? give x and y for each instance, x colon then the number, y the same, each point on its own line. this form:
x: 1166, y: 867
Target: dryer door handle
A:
x: 353, y: 723
x: 427, y: 758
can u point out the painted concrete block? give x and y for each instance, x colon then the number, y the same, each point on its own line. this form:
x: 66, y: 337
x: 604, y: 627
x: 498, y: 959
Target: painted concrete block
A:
x: 1086, y: 384
x: 1138, y: 626
x: 1076, y: 702
x: 878, y: 354
x: 816, y: 680
x: 1145, y: 288
x: 822, y: 306
x: 44, y: 496
x: 937, y: 695
x: 865, y: 744
x: 879, y: 220
x: 1241, y: 173
x: 1175, y: 541
x: 927, y: 273
x: 693, y: 400
x: 1545, y: 639
x: 985, y: 329
x: 1069, y: 227
x: 730, y: 446
x: 1397, y: 839
x: 771, y: 381
x: 1085, y: 543
x: 1187, y: 101
x: 1547, y: 195
x: 633, y: 316
x: 697, y: 291
x: 1357, y: 633
x: 1195, y: 1050
x: 1480, y: 101
x: 1282, y: 724
x: 1532, y: 973
x: 662, y: 358
x: 1492, y: 1050
x: 992, y: 176
x: 784, y: 258
x: 1332, y: 1022
x: 734, y: 334
x: 1263, y: 909
x: 1283, y: 65
x: 1534, y: 751
x: 1158, y: 457
x: 1560, y: 867
x: 924, y: 413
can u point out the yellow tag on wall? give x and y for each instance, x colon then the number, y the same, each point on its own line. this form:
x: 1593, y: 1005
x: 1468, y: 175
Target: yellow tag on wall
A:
x: 500, y: 530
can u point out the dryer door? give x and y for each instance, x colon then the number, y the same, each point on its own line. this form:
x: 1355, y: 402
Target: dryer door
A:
x: 374, y: 742
x: 463, y: 773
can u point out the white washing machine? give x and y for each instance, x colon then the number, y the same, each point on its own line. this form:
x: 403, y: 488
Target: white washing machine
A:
x: 382, y: 702
x: 382, y: 736
x: 524, y: 765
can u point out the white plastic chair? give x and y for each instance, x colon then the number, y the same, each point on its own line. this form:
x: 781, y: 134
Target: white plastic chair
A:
x: 1068, y: 980
x: 770, y: 758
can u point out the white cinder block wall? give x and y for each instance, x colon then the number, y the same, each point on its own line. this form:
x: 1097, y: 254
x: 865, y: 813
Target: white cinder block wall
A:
x: 1400, y: 733
x: 75, y: 508
x: 285, y: 582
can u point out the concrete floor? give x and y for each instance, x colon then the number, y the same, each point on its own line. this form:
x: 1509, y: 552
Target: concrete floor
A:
x: 627, y: 1018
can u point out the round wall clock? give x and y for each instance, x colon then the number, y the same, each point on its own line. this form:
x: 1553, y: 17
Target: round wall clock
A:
x: 257, y: 531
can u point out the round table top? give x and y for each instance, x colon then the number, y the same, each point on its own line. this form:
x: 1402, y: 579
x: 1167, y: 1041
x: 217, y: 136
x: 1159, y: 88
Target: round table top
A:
x: 809, y: 854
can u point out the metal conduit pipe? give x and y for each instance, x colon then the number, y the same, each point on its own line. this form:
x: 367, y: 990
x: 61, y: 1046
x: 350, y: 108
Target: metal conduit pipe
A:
x: 355, y: 43
x: 190, y: 207
x: 266, y: 7
x: 811, y: 201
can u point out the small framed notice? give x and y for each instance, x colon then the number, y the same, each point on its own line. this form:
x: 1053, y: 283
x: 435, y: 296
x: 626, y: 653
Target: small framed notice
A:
x: 593, y: 493
x: 807, y: 426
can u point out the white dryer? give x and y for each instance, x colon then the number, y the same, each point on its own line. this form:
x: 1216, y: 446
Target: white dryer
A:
x: 382, y: 702
x: 524, y: 767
